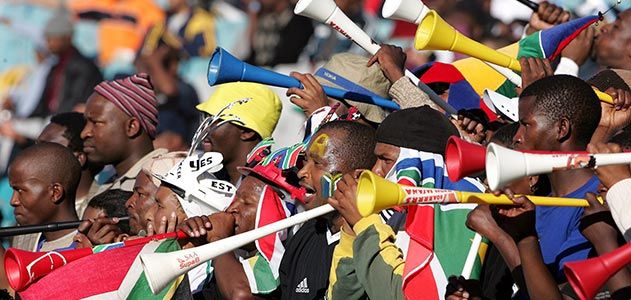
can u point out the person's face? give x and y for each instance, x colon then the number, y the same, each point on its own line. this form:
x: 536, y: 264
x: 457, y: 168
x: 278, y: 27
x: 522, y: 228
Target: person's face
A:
x: 32, y: 197
x: 535, y: 132
x: 53, y: 133
x: 321, y: 159
x: 612, y: 45
x: 141, y: 201
x: 245, y: 204
x: 387, y: 155
x: 223, y: 139
x: 58, y: 44
x: 167, y: 204
x: 105, y: 131
x: 93, y: 213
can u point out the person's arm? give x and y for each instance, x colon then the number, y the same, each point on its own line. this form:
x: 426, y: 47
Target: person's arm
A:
x: 519, y: 223
x: 231, y: 278
x: 160, y: 77
x: 481, y: 221
x: 378, y: 261
x: 343, y: 282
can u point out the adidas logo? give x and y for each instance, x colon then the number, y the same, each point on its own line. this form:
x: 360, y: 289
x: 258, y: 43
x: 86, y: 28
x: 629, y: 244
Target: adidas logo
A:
x: 302, y: 287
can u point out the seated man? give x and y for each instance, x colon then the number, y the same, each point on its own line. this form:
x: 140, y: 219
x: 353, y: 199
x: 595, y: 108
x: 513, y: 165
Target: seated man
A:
x: 367, y: 262
x: 266, y: 192
x: 249, y: 123
x: 107, y: 206
x: 560, y: 113
x: 65, y: 129
x: 44, y: 178
x: 336, y: 148
x: 189, y: 189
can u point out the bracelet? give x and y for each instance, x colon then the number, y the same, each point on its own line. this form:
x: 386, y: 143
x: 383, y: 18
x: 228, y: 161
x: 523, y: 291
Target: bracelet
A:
x: 601, y: 216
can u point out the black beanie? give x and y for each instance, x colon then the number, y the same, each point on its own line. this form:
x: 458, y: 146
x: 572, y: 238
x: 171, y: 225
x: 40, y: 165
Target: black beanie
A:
x: 421, y: 128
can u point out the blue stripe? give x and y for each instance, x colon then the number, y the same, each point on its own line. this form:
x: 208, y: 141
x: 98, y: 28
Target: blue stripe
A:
x: 344, y: 83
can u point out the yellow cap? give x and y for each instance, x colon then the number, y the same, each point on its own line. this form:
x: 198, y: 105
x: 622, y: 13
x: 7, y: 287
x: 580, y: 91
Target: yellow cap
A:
x: 260, y: 114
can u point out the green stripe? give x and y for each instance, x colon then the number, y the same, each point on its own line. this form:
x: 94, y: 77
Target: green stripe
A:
x: 265, y: 281
x: 141, y: 289
x: 530, y: 46
x: 452, y: 240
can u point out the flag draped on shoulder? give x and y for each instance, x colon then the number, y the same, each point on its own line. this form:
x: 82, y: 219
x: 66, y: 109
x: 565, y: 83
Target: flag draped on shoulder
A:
x: 113, y: 274
x: 439, y: 240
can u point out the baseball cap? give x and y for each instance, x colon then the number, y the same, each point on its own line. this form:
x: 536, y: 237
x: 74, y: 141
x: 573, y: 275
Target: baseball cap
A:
x: 260, y: 113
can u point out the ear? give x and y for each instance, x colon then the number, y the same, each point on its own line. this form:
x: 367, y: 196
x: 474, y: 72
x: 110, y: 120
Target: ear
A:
x: 132, y: 127
x: 81, y: 157
x: 564, y: 130
x: 532, y: 180
x: 57, y: 193
x: 247, y: 134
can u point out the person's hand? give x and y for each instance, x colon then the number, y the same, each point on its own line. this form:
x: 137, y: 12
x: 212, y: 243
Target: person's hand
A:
x: 547, y: 16
x: 517, y: 220
x: 481, y: 221
x: 165, y: 225
x: 579, y: 49
x: 471, y: 125
x: 459, y: 288
x: 222, y: 226
x: 609, y: 175
x: 617, y: 116
x: 391, y: 61
x: 533, y: 69
x: 311, y: 97
x: 101, y: 230
x: 82, y: 241
x: 196, y: 228
x: 344, y: 199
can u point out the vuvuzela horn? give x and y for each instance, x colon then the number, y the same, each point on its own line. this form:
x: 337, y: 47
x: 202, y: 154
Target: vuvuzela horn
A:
x: 504, y: 165
x: 20, y: 230
x: 24, y: 267
x: 375, y: 194
x: 162, y: 268
x: 327, y: 12
x: 433, y: 33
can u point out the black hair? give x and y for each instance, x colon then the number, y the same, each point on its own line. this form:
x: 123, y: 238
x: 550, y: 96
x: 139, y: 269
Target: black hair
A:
x: 113, y: 203
x: 74, y: 123
x: 359, y: 144
x: 504, y: 135
x: 53, y: 163
x: 563, y: 96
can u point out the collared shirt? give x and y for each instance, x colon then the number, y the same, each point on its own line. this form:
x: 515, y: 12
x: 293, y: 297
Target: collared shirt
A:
x: 126, y: 181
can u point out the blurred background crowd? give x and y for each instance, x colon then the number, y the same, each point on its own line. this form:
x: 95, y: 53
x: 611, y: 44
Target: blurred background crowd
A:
x: 55, y: 51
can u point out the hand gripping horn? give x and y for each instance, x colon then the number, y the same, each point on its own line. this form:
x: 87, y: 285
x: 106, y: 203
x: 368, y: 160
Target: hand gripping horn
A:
x: 327, y: 12
x: 376, y: 194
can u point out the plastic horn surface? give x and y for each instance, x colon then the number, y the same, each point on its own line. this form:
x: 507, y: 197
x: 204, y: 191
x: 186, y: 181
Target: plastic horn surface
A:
x: 532, y: 5
x: 587, y: 276
x: 162, y: 268
x: 375, y: 194
x: 24, y: 267
x: 412, y: 11
x: 463, y: 158
x: 327, y: 12
x: 433, y: 33
x: 224, y: 68
x: 504, y: 165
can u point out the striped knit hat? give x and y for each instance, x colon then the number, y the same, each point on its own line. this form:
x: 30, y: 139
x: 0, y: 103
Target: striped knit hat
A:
x: 134, y: 95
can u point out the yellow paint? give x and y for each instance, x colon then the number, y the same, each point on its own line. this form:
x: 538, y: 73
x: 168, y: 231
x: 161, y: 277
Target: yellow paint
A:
x: 319, y: 145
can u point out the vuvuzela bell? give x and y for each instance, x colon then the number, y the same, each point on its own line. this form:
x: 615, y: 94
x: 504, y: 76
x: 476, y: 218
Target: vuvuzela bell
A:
x: 375, y: 194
